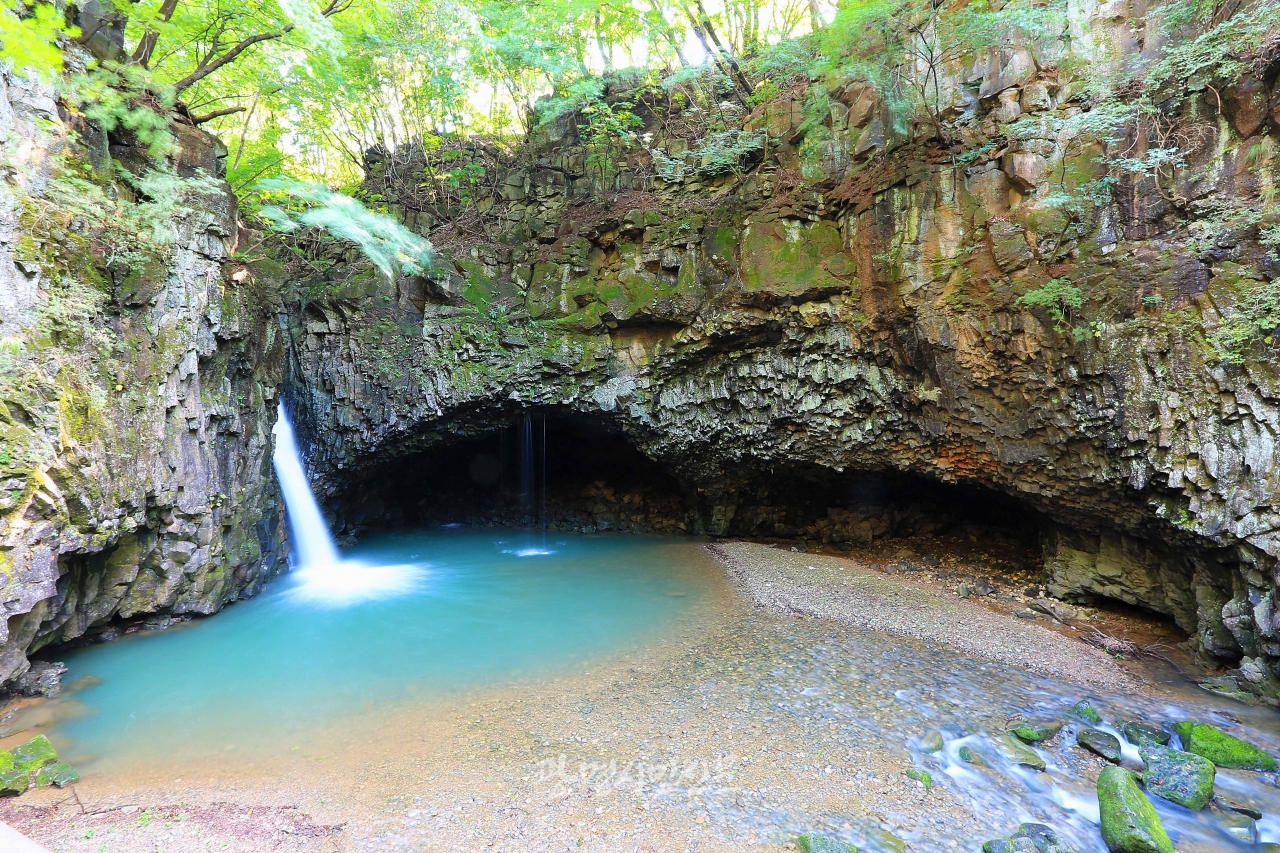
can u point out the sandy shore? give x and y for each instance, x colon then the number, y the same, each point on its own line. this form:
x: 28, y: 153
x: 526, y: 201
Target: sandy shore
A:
x: 786, y: 706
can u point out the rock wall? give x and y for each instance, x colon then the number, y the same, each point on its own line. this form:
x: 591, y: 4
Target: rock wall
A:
x: 135, y: 399
x: 851, y: 297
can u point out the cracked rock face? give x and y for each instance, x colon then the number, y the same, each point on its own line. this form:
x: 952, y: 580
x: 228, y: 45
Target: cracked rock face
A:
x: 135, y: 475
x: 867, y: 319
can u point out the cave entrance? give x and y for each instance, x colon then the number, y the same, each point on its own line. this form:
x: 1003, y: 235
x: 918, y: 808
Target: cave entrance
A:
x: 533, y: 470
x: 574, y: 472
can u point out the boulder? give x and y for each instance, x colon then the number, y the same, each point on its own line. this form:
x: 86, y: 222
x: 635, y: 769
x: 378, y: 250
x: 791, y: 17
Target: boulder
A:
x: 34, y: 754
x: 1035, y: 732
x: 6, y: 761
x: 1179, y: 777
x: 1083, y: 710
x: 1044, y: 838
x: 59, y: 775
x: 1129, y: 821
x: 1100, y: 743
x: 14, y: 782
x: 1017, y: 752
x: 1222, y: 749
x: 1140, y: 733
x: 1029, y: 838
x: 812, y: 842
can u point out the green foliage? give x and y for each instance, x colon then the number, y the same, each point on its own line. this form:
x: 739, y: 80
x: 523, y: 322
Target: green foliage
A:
x: 720, y: 153
x: 126, y: 97
x: 608, y: 128
x: 392, y: 248
x: 29, y: 37
x: 905, y: 48
x: 1058, y: 296
x: 1254, y: 319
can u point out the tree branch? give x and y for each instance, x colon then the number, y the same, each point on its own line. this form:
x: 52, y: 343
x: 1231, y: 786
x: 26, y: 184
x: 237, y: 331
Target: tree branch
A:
x: 208, y: 66
x: 226, y: 111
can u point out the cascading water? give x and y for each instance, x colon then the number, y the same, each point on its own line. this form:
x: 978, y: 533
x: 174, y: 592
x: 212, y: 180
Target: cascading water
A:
x: 312, y: 543
x: 322, y: 576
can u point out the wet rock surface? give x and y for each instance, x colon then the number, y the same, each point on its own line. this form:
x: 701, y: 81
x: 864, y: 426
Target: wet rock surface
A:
x: 1180, y: 777
x: 135, y: 475
x: 1129, y: 823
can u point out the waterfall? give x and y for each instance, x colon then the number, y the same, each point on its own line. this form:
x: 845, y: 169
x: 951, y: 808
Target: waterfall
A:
x: 320, y: 576
x: 526, y: 462
x: 312, y: 543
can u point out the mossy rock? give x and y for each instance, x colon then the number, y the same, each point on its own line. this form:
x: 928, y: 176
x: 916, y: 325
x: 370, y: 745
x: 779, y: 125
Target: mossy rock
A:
x: 970, y: 755
x: 1140, y: 733
x: 1100, y: 743
x: 1018, y: 753
x: 883, y: 841
x: 1042, y: 837
x: 1222, y: 749
x: 931, y: 741
x: 921, y: 776
x: 1035, y: 732
x: 1083, y: 710
x: 14, y: 782
x: 812, y: 842
x: 34, y: 754
x: 59, y: 775
x: 6, y: 761
x: 1179, y: 777
x: 1129, y: 821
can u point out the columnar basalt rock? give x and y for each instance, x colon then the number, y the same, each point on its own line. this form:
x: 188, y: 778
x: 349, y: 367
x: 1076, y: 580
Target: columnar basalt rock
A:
x: 135, y: 447
x: 866, y: 316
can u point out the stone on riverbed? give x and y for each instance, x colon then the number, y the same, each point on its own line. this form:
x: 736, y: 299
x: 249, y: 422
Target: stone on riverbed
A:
x: 60, y: 775
x: 14, y: 782
x: 1017, y: 752
x: 1100, y: 743
x: 931, y: 741
x: 1129, y: 821
x: 970, y: 755
x: 1035, y: 732
x: 885, y: 842
x: 1239, y: 807
x: 34, y: 754
x: 1030, y: 838
x: 1138, y: 733
x: 1179, y: 777
x: 1083, y: 710
x: 1222, y: 749
x: 812, y: 842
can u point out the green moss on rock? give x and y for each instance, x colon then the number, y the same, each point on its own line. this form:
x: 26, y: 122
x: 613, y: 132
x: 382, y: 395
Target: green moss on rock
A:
x: 14, y: 782
x: 33, y: 754
x: 1179, y: 777
x: 59, y: 775
x: 1129, y: 821
x: 1083, y: 710
x: 1035, y: 732
x: 812, y: 842
x: 1222, y: 749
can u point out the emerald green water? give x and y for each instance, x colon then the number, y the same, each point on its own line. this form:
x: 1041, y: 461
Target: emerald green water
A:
x: 443, y: 611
